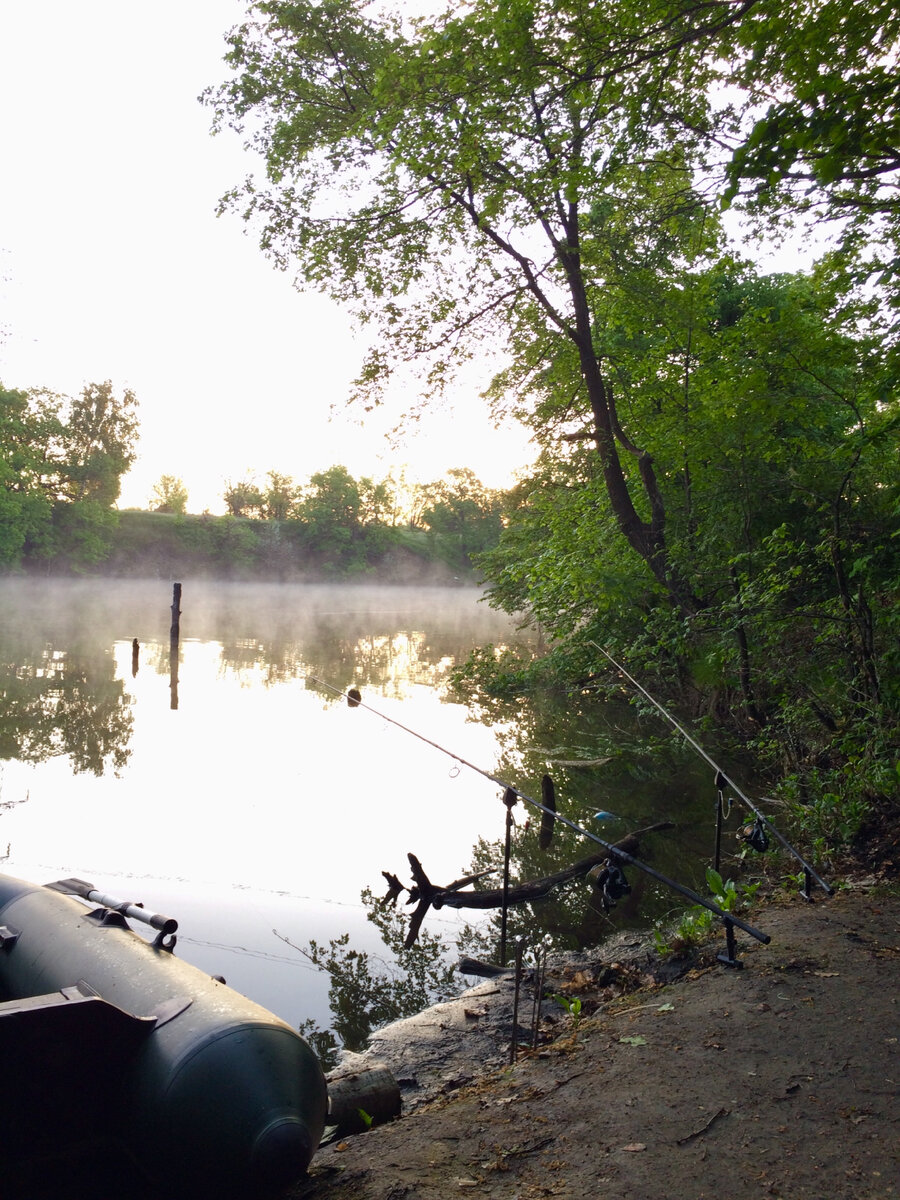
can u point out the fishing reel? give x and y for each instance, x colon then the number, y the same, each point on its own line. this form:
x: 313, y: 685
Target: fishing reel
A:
x: 610, y: 881
x: 754, y: 835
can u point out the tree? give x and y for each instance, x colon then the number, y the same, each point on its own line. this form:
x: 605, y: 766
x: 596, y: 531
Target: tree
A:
x: 280, y: 497
x: 824, y: 75
x: 820, y: 137
x: 378, y: 502
x: 715, y: 488
x: 467, y: 157
x: 461, y: 515
x: 169, y: 495
x: 244, y: 498
x: 25, y: 507
x: 330, y: 513
x: 61, y: 462
x: 776, y: 444
x: 100, y: 443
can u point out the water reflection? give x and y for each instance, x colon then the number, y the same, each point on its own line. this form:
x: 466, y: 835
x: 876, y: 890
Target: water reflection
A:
x: 59, y: 702
x: 263, y: 802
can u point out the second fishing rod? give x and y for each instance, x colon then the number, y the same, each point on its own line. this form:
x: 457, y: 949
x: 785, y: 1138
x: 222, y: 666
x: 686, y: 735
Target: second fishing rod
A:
x: 722, y: 780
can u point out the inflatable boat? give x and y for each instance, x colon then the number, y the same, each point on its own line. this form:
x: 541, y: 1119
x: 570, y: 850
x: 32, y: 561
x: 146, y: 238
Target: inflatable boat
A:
x: 106, y: 1035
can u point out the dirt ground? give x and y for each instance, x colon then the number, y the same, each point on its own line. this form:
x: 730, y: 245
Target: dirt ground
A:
x: 780, y: 1079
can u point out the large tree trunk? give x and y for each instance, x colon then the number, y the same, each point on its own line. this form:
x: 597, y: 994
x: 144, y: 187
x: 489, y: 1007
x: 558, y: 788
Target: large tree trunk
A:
x: 647, y: 538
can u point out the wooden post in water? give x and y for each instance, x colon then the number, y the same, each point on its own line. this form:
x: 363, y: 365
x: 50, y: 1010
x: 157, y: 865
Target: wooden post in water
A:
x: 174, y: 633
x: 176, y: 614
x: 135, y: 656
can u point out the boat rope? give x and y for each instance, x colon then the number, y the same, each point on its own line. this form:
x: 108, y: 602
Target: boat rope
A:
x: 353, y: 698
x: 721, y: 775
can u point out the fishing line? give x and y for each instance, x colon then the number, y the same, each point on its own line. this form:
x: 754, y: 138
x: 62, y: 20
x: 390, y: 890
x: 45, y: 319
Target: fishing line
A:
x: 355, y: 700
x: 720, y: 773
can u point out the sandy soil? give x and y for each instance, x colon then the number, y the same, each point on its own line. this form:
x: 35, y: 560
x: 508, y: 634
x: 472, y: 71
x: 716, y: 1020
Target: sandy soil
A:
x: 777, y: 1080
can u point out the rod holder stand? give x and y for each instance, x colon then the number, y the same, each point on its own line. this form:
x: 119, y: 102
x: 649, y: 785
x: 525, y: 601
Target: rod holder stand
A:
x: 729, y: 958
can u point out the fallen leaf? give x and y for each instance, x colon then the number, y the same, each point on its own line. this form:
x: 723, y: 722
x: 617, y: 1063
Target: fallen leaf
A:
x: 635, y: 1146
x: 666, y: 1008
x: 827, y: 974
x: 637, y: 1040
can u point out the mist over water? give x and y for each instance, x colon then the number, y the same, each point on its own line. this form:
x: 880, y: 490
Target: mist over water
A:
x: 262, y: 801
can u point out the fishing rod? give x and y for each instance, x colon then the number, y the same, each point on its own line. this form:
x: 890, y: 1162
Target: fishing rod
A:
x: 722, y: 780
x: 729, y: 920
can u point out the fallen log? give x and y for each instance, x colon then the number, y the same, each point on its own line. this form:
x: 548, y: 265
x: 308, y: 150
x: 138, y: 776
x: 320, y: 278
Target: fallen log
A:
x: 424, y: 894
x: 359, y: 1099
x: 485, y: 970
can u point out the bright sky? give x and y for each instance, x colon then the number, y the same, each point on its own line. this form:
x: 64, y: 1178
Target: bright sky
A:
x: 113, y: 265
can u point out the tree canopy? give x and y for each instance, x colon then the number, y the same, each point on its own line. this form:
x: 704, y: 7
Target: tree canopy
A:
x: 169, y: 495
x: 543, y: 181
x: 61, y: 463
x: 459, y: 181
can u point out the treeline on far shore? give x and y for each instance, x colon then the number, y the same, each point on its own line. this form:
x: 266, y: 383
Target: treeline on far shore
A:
x: 62, y: 459
x: 169, y: 545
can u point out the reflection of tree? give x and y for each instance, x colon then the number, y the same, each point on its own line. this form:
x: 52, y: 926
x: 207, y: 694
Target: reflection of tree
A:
x: 367, y: 991
x: 386, y: 651
x: 64, y: 703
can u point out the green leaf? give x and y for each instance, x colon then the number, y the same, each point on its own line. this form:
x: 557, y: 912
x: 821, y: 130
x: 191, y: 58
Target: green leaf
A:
x: 715, y: 882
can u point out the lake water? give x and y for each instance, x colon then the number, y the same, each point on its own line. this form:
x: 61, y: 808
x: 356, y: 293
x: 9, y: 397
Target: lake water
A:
x: 239, y: 793
x: 262, y: 802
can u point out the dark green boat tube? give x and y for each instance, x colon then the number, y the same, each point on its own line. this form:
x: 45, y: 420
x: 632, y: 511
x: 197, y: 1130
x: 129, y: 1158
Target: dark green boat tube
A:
x: 212, y: 1093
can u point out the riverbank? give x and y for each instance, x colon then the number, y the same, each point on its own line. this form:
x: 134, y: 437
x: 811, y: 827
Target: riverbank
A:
x: 778, y: 1079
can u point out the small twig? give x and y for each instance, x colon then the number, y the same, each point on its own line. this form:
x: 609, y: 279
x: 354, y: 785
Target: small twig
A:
x: 568, y: 1079
x: 530, y: 1148
x: 689, y: 1137
x: 636, y: 1008
x: 466, y: 880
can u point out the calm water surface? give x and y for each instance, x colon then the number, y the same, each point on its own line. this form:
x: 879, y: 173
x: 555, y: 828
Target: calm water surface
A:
x: 262, y: 804
x: 234, y: 789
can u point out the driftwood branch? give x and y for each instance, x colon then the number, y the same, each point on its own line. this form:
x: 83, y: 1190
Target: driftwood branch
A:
x: 425, y: 894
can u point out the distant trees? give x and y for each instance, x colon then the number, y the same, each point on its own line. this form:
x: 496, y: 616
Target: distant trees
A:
x: 61, y: 463
x: 26, y: 428
x: 243, y: 498
x: 169, y: 495
x: 279, y: 497
x: 274, y: 500
x: 343, y: 524
x: 98, y: 444
x: 461, y: 515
